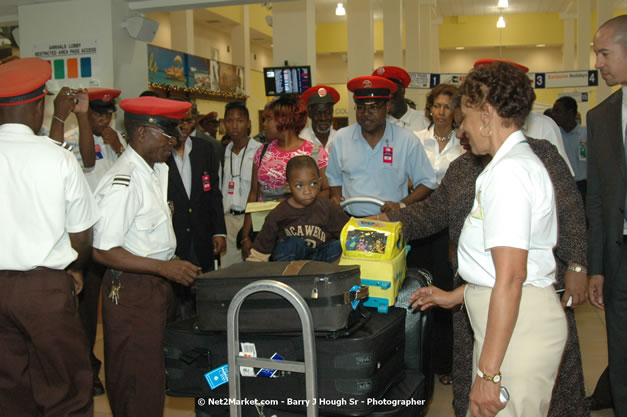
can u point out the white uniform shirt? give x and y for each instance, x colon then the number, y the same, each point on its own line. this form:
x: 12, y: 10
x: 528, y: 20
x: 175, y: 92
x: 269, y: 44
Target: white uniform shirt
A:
x: 439, y: 160
x: 309, y: 135
x: 539, y: 126
x: 237, y: 169
x: 105, y: 156
x: 44, y: 197
x: 515, y: 207
x: 413, y: 120
x: 135, y: 211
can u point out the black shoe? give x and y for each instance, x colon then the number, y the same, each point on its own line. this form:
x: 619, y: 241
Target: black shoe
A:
x: 98, y: 387
x: 594, y: 404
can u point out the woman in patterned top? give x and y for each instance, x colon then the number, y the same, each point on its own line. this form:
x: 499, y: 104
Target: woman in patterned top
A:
x: 284, y: 117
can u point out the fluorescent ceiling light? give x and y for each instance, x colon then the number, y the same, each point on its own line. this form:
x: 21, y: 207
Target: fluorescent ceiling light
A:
x: 459, y: 48
x: 500, y: 23
x: 340, y: 10
x: 503, y: 4
x: 541, y: 45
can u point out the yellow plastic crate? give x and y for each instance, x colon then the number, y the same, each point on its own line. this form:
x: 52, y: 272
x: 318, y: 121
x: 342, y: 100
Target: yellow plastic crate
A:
x: 372, y: 239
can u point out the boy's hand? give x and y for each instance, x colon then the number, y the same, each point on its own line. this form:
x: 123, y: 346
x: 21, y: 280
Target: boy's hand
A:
x: 389, y: 206
x: 247, y: 244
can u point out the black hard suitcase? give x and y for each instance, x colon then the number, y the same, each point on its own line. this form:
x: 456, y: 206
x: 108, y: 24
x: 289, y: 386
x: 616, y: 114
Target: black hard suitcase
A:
x: 328, y: 290
x: 351, y: 369
x: 403, y: 399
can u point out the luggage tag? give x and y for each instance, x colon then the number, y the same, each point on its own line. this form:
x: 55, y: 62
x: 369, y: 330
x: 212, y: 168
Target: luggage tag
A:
x: 355, y: 303
x: 218, y: 376
x: 269, y: 373
x: 388, y: 155
x: 231, y: 187
x: 206, y: 184
x: 98, y: 152
x: 248, y: 351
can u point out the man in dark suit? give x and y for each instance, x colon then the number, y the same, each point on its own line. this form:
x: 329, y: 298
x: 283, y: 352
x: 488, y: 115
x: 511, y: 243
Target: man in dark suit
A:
x: 607, y: 179
x: 196, y: 202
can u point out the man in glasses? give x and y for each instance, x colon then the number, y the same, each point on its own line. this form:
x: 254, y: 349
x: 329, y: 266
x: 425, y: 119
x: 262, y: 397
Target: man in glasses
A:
x: 196, y: 205
x: 135, y: 240
x: 375, y: 158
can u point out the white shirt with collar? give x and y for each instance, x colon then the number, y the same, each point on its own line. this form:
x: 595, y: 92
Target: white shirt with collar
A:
x: 309, y: 135
x: 45, y: 197
x: 539, y: 126
x: 105, y: 156
x: 439, y: 160
x: 184, y: 165
x: 514, y: 207
x: 135, y: 211
x: 238, y: 169
x: 413, y: 120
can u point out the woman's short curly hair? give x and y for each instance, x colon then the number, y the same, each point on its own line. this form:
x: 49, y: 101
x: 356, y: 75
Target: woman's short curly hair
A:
x: 446, y: 89
x: 289, y: 112
x: 504, y: 87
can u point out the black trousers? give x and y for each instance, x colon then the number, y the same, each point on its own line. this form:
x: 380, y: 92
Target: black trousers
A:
x: 615, y: 298
x: 88, y: 301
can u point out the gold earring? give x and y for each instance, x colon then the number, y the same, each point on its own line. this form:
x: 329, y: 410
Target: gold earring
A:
x: 483, y: 134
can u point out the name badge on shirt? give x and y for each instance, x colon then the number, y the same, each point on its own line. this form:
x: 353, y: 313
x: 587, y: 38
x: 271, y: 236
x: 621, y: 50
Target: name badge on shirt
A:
x: 98, y: 152
x: 231, y: 187
x: 206, y: 184
x: 388, y: 155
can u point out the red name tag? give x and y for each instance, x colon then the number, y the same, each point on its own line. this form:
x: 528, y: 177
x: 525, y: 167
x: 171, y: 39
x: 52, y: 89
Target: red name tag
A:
x: 231, y: 187
x: 388, y: 155
x: 206, y: 184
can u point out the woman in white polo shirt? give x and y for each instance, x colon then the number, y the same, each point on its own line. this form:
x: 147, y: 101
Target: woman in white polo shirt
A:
x: 505, y: 253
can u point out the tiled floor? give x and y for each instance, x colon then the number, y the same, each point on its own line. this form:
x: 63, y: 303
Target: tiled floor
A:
x: 590, y: 323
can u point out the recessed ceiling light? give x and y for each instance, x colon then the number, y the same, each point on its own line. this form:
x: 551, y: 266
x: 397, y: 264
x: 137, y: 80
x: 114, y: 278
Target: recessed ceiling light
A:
x: 459, y: 48
x: 500, y: 23
x: 541, y: 45
x: 340, y: 10
x: 503, y: 4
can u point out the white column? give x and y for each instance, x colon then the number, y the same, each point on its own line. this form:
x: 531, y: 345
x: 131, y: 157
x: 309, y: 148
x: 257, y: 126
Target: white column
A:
x: 426, y: 36
x: 182, y: 33
x: 568, y: 47
x: 583, y: 35
x: 434, y: 60
x: 240, y: 46
x: 294, y: 33
x: 604, y: 13
x: 119, y: 61
x: 393, y: 32
x: 360, y: 41
x: 413, y: 40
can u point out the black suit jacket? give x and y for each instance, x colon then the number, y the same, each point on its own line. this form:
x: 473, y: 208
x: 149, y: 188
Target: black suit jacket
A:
x: 605, y: 203
x: 198, y: 218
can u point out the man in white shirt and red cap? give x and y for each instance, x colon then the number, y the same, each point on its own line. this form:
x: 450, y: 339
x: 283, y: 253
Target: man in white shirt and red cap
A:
x: 320, y: 100
x: 400, y: 113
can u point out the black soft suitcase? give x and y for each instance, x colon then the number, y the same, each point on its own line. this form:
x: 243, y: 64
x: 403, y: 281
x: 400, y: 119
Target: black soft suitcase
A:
x: 403, y: 399
x: 328, y: 290
x: 350, y: 370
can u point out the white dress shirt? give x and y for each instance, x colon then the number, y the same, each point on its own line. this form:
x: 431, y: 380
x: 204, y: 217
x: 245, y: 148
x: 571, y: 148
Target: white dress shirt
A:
x: 439, y: 160
x: 413, y: 120
x: 309, y: 135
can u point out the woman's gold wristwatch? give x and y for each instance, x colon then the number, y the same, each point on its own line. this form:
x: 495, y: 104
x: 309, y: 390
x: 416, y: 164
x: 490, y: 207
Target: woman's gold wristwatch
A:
x: 496, y: 378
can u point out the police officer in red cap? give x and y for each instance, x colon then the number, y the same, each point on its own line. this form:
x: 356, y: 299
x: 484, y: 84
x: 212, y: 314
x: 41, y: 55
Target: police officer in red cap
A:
x: 136, y: 241
x: 375, y: 158
x: 400, y: 113
x: 46, y: 218
x: 320, y: 100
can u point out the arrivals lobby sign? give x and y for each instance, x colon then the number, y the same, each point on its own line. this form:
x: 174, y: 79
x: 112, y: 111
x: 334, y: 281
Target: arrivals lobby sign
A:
x: 73, y: 62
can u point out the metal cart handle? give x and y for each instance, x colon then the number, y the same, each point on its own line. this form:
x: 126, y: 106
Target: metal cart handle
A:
x: 370, y: 200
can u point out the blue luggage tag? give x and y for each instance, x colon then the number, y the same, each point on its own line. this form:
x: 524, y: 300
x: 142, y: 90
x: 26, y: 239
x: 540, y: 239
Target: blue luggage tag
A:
x: 355, y: 303
x: 218, y: 376
x: 269, y: 373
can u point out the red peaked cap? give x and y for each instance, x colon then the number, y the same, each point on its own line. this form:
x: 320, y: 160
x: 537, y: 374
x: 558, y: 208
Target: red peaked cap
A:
x: 104, y: 94
x: 370, y: 86
x: 393, y: 73
x: 163, y: 113
x: 211, y: 116
x: 488, y: 61
x: 320, y: 94
x: 23, y: 80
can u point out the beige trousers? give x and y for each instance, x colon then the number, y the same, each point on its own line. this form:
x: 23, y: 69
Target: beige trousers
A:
x: 534, y: 352
x: 232, y: 255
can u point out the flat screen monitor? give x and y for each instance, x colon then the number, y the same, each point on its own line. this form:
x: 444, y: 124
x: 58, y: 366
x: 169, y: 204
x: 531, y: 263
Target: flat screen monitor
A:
x: 279, y: 80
